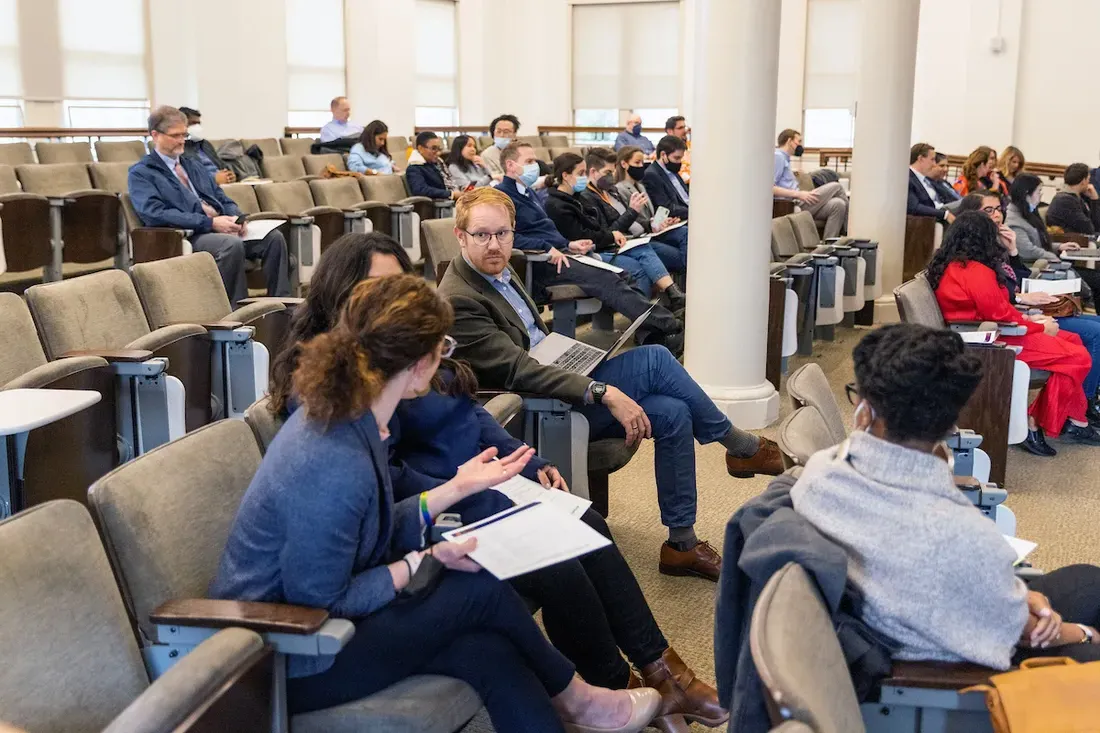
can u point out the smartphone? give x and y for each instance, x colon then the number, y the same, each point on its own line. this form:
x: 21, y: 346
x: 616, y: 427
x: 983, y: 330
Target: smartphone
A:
x: 659, y: 217
x: 242, y: 220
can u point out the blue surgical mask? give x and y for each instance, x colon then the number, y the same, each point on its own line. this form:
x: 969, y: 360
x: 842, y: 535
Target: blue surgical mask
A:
x: 636, y: 130
x: 580, y: 184
x: 502, y: 142
x: 529, y: 175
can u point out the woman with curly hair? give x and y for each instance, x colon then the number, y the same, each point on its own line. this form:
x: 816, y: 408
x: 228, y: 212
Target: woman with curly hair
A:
x: 980, y: 171
x: 887, y: 499
x: 970, y: 274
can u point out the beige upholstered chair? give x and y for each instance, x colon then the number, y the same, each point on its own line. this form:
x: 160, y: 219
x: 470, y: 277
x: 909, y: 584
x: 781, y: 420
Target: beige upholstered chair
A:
x: 282, y: 167
x: 315, y: 164
x: 166, y: 518
x: 484, y: 141
x: 555, y: 141
x: 345, y: 194
x: 31, y: 251
x: 555, y: 152
x: 544, y: 155
x: 801, y: 434
x: 296, y: 145
x: 102, y: 313
x: 535, y: 140
x: 126, y: 151
x: 808, y: 385
x: 71, y: 662
x: 63, y: 152
x: 821, y: 299
x: 269, y: 146
x: 294, y: 199
x: 113, y: 177
x: 398, y: 145
x: 16, y: 154
x: 403, y: 227
x: 798, y: 657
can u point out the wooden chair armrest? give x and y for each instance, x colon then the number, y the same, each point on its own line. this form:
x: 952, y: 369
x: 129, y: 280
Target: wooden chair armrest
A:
x: 288, y: 302
x: 262, y: 617
x: 113, y: 355
x: 222, y: 325
x: 938, y: 675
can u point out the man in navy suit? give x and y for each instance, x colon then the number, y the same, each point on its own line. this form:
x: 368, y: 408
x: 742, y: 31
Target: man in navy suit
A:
x: 662, y: 179
x: 169, y: 189
x: 924, y: 198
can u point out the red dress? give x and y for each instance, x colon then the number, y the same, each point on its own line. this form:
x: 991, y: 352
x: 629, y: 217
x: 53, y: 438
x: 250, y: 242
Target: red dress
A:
x: 970, y: 292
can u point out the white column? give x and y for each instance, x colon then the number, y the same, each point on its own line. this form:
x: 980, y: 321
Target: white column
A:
x: 884, y: 118
x: 736, y: 67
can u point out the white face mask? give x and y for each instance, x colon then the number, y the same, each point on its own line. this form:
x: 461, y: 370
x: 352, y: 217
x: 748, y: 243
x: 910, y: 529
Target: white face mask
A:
x: 195, y: 132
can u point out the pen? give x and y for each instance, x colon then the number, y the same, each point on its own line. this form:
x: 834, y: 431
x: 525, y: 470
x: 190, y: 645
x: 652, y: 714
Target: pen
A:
x: 486, y: 522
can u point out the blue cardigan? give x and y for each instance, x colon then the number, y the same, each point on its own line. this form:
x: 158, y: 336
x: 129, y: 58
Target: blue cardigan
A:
x: 317, y: 526
x: 535, y: 231
x: 161, y: 200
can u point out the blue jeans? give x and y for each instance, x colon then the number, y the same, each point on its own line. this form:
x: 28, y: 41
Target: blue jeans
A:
x: 642, y: 263
x: 680, y: 413
x: 672, y: 247
x: 1088, y: 328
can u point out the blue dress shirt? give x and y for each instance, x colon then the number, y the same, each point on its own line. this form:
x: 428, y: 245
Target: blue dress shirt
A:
x: 172, y: 163
x: 677, y: 183
x: 334, y: 130
x: 502, y: 283
x: 641, y: 141
x: 784, y: 177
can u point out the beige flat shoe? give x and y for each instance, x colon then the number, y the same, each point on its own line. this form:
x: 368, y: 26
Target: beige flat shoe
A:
x: 645, y: 702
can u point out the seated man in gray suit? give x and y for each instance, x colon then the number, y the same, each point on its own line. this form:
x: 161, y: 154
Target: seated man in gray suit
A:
x: 639, y: 394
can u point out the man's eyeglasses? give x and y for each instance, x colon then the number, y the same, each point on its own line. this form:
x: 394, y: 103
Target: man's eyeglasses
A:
x: 174, y: 136
x: 850, y: 391
x: 449, y: 345
x: 991, y: 210
x: 435, y: 149
x: 505, y: 236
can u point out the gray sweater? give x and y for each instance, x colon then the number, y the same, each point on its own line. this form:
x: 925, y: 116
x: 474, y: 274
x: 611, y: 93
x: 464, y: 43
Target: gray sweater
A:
x: 1028, y: 243
x: 936, y: 575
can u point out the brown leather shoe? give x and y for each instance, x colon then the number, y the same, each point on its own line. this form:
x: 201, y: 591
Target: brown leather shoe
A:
x: 682, y: 694
x: 767, y: 460
x: 702, y: 561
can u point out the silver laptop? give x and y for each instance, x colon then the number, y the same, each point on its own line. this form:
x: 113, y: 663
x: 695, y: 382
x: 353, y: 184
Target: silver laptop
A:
x: 574, y: 356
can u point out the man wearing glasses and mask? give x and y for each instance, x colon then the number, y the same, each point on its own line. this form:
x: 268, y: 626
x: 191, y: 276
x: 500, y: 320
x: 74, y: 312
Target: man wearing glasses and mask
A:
x: 426, y: 174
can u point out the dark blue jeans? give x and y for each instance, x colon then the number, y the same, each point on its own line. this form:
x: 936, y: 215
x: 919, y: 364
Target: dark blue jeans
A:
x: 472, y: 627
x: 672, y: 248
x: 1088, y: 328
x: 680, y: 413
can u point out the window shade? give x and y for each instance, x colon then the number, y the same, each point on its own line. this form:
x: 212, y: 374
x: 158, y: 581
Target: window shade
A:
x: 11, y: 83
x: 832, y: 54
x: 436, y: 64
x: 314, y: 63
x: 103, y: 49
x: 614, y: 62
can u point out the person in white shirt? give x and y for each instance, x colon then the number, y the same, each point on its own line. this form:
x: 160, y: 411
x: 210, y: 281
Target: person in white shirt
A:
x: 924, y: 198
x: 340, y: 126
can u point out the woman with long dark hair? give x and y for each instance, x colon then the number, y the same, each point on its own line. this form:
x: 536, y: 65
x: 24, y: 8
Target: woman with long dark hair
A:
x: 371, y: 155
x: 466, y: 166
x: 969, y: 276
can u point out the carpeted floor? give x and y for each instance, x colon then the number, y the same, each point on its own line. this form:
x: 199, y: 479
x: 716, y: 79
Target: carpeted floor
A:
x: 1053, y: 499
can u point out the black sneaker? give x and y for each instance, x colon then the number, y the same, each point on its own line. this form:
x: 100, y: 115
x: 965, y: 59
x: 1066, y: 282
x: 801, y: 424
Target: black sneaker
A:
x: 1092, y: 414
x: 1036, y: 444
x: 1083, y: 435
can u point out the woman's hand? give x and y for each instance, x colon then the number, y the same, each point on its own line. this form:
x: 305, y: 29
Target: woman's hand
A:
x: 479, y: 161
x: 620, y: 238
x: 1044, y: 626
x: 638, y: 200
x: 453, y: 555
x: 1036, y: 297
x: 482, y: 472
x: 1067, y: 246
x: 1050, y: 327
x: 1007, y: 238
x: 551, y: 478
x: 581, y: 246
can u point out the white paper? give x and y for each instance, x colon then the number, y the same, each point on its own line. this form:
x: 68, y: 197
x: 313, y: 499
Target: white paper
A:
x: 1022, y: 548
x: 260, y: 228
x: 670, y: 227
x: 593, y: 262
x: 632, y: 243
x: 978, y: 337
x: 523, y: 490
x: 1053, y: 287
x: 526, y: 538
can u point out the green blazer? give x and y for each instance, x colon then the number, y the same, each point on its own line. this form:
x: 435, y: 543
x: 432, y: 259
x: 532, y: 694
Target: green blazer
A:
x: 492, y: 338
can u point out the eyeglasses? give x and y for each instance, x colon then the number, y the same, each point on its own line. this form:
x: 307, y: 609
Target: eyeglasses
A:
x: 991, y: 210
x: 850, y: 391
x: 435, y: 149
x: 174, y: 136
x: 504, y: 236
x: 449, y: 346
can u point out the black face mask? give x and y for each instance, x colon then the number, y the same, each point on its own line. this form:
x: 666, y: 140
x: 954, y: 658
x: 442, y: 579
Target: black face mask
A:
x: 673, y: 167
x: 605, y: 183
x: 798, y: 151
x: 635, y: 171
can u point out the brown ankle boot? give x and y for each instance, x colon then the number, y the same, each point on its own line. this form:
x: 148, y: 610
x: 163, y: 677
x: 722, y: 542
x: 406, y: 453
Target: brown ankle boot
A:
x: 683, y: 694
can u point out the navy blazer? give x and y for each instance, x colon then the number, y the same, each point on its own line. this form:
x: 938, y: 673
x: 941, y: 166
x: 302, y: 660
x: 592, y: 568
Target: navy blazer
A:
x: 534, y: 229
x: 161, y: 200
x: 662, y: 193
x: 920, y: 203
x: 426, y: 180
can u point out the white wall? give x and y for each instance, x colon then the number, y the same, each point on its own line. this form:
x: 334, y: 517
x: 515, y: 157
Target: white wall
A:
x: 792, y: 65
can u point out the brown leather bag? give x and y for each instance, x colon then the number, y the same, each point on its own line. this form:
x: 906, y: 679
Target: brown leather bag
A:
x: 332, y: 171
x: 1064, y: 307
x: 1045, y: 695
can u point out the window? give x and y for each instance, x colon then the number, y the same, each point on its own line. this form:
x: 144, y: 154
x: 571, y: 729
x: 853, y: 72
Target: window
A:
x: 314, y: 64
x: 656, y: 118
x: 103, y: 57
x: 595, y: 118
x: 832, y: 71
x: 11, y: 113
x: 436, y: 63
x: 11, y: 83
x: 612, y: 66
x: 106, y: 113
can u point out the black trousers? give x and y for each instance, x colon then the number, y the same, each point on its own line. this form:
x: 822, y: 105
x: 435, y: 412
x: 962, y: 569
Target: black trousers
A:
x: 1092, y: 279
x: 1074, y: 592
x: 591, y: 608
x: 610, y: 288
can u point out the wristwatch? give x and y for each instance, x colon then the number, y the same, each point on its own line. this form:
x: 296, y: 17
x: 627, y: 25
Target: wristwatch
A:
x: 1087, y: 632
x: 597, y: 390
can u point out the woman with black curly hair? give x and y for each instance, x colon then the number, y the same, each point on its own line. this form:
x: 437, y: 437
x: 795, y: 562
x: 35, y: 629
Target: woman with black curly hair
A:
x: 969, y: 276
x: 935, y: 574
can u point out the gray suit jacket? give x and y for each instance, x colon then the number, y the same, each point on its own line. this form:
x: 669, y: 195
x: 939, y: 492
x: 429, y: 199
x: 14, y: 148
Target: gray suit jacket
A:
x: 493, y: 339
